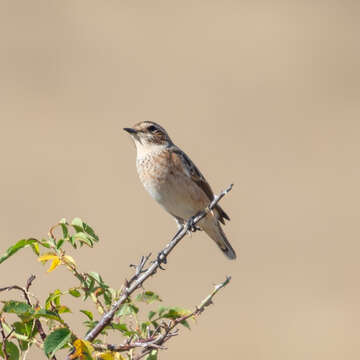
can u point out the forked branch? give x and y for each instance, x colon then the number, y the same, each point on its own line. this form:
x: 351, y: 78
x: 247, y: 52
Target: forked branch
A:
x: 165, y: 331
x: 141, y: 274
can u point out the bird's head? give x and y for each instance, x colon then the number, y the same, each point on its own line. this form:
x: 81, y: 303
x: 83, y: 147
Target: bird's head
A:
x: 149, y: 136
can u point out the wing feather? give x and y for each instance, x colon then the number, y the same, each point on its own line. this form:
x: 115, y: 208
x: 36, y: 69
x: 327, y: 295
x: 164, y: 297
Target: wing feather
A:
x: 200, y: 180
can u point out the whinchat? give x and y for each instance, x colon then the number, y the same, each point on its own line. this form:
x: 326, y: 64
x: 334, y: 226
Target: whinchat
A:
x: 174, y: 181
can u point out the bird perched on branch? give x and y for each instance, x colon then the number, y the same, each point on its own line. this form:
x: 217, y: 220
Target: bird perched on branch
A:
x: 174, y: 181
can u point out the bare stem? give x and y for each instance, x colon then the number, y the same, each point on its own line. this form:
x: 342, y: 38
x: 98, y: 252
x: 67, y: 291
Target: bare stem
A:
x: 142, y: 275
x: 25, y: 291
x: 4, y: 337
x: 157, y: 340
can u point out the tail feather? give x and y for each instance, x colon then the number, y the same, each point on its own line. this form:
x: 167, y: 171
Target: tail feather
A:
x: 212, y: 227
x: 226, y: 248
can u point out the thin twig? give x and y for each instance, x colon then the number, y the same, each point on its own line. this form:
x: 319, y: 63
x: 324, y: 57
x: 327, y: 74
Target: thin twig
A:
x: 144, y: 343
x: 4, y: 337
x: 156, y: 342
x: 169, y: 330
x: 139, y: 268
x: 137, y: 281
x: 82, y: 277
x: 29, y: 282
x: 25, y: 291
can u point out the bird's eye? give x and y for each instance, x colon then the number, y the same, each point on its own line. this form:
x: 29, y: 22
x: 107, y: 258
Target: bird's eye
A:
x: 152, y: 128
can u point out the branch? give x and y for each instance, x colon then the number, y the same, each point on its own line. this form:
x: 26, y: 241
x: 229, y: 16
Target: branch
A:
x: 156, y: 341
x: 5, y: 338
x: 141, y: 275
x: 25, y: 291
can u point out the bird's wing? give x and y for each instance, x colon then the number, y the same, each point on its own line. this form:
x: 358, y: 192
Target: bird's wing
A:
x: 194, y: 173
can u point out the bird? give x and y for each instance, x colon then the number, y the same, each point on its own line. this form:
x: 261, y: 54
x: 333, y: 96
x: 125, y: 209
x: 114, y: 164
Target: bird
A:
x: 174, y: 181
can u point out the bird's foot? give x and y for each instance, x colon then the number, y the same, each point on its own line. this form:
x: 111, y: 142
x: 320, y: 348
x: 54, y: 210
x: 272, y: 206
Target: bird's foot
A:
x: 192, y: 225
x: 161, y: 259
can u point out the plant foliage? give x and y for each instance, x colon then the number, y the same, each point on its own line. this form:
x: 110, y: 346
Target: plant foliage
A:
x: 138, y: 320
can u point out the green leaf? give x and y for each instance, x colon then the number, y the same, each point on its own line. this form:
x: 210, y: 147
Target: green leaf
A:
x: 162, y: 309
x: 152, y: 355
x: 151, y: 314
x: 21, y: 328
x: 175, y: 312
x: 89, y: 314
x: 107, y: 297
x: 185, y: 323
x: 53, y: 298
x: 95, y: 276
x: 15, y: 248
x: 127, y: 309
x: 47, y: 314
x: 144, y: 326
x: 74, y: 293
x: 113, y: 293
x: 35, y: 248
x: 23, y: 344
x: 90, y: 231
x: 122, y: 328
x: 22, y: 338
x: 72, y: 242
x: 84, y: 233
x: 148, y: 297
x: 90, y: 285
x: 134, y: 309
x: 21, y: 333
x: 64, y: 228
x: 83, y: 238
x: 45, y: 243
x: 77, y: 224
x: 26, y: 328
x: 98, y: 279
x: 7, y: 328
x: 22, y: 309
x: 56, y: 340
x: 63, y: 309
x: 59, y: 243
x: 12, y: 350
x: 92, y: 324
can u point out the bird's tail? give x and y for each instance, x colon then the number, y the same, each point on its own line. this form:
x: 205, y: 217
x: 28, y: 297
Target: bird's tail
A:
x: 212, y: 227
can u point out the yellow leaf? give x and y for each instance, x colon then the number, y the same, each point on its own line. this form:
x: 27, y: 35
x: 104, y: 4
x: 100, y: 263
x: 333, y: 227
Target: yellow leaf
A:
x: 55, y: 263
x: 106, y: 356
x: 78, y: 350
x: 119, y: 357
x: 68, y: 260
x: 87, y: 345
x: 82, y: 347
x: 61, y: 309
x: 47, y: 256
x: 50, y: 256
x: 36, y: 248
x: 109, y: 355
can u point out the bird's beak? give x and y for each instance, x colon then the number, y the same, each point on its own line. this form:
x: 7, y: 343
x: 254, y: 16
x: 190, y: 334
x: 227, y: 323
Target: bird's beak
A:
x: 130, y: 130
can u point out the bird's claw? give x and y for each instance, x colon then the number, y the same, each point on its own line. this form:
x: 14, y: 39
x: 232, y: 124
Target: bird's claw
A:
x: 161, y: 259
x: 192, y: 226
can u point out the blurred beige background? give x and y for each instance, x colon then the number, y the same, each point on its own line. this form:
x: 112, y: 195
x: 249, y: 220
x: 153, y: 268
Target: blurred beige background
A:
x: 264, y: 94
